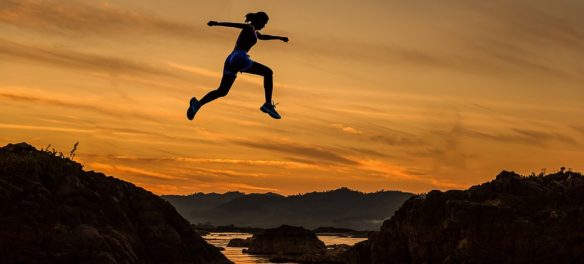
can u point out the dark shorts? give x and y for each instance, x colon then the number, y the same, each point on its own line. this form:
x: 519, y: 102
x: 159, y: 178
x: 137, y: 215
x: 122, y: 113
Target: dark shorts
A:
x: 237, y: 61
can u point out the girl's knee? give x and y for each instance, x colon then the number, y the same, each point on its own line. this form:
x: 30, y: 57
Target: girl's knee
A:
x: 268, y: 72
x: 222, y: 93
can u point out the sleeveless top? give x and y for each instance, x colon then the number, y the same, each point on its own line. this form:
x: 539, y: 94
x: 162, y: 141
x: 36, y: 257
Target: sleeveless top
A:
x: 247, y: 38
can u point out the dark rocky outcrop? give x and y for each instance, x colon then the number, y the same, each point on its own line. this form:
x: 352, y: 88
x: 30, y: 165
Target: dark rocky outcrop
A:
x: 512, y: 219
x: 360, y: 253
x: 295, y: 244
x: 289, y: 240
x: 239, y: 242
x: 51, y: 211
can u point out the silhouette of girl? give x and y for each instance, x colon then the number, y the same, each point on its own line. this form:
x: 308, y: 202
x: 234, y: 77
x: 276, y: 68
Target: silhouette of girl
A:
x: 239, y: 61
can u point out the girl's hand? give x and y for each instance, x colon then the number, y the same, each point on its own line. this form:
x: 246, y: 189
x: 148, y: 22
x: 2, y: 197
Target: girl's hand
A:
x: 212, y: 23
x: 285, y: 39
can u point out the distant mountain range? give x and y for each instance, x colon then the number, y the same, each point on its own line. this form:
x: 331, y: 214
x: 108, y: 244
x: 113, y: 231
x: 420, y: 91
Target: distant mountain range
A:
x: 339, y: 208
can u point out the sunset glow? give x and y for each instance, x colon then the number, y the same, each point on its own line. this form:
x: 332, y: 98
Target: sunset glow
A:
x: 398, y: 95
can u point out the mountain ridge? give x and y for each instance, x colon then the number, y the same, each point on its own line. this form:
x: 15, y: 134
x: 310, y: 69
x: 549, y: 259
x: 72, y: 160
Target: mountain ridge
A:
x: 341, y: 207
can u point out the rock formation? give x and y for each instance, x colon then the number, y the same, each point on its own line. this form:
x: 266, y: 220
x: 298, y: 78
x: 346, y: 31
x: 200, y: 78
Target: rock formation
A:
x: 51, y: 211
x: 285, y: 240
x: 239, y: 242
x: 294, y: 244
x: 512, y: 219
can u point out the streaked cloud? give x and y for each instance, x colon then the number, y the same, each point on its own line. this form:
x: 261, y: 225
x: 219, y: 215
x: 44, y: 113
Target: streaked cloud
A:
x: 45, y: 128
x: 370, y: 152
x: 314, y: 153
x: 520, y: 136
x: 124, y: 170
x: 75, y: 104
x: 249, y: 188
x: 347, y: 129
x: 96, y: 18
x: 79, y: 60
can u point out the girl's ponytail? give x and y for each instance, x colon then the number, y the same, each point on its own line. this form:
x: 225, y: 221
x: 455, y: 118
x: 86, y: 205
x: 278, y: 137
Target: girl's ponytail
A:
x: 249, y: 17
x: 261, y: 16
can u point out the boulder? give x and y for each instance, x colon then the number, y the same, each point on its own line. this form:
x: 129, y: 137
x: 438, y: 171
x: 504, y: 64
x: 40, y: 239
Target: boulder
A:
x: 295, y: 244
x: 239, y: 242
x: 287, y: 240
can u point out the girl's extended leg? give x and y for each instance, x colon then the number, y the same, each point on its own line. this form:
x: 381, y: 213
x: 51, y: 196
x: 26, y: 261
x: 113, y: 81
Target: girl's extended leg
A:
x: 260, y: 69
x: 194, y: 105
x: 226, y: 83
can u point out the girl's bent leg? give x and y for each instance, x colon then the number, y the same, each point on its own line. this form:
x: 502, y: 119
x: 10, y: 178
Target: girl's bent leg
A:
x: 260, y: 69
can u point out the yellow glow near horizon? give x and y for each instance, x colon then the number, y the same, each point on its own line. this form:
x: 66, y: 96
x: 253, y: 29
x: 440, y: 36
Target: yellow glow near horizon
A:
x: 401, y: 95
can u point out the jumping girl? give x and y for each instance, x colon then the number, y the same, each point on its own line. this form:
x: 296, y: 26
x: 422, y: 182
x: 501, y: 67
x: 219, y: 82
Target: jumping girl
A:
x: 239, y: 61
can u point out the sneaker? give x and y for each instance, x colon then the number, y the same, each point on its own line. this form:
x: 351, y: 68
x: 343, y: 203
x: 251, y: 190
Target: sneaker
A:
x: 194, y: 106
x: 270, y: 109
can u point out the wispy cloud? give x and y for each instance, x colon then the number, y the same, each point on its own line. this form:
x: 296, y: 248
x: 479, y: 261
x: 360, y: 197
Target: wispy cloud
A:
x: 504, y: 37
x: 523, y: 22
x: 520, y: 33
x: 316, y: 153
x: 96, y: 108
x: 369, y: 152
x: 45, y: 128
x: 79, y: 60
x: 347, y: 129
x: 248, y: 187
x: 194, y: 70
x: 125, y: 170
x: 524, y: 136
x: 579, y: 129
x: 387, y: 137
x: 233, y: 174
x: 544, y: 136
x: 275, y: 163
x: 91, y: 18
x: 185, y: 160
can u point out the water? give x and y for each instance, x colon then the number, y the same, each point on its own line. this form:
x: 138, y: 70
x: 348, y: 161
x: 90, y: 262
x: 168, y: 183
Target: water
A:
x: 235, y: 255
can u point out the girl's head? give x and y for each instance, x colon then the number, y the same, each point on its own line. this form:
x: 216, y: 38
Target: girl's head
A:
x: 258, y: 20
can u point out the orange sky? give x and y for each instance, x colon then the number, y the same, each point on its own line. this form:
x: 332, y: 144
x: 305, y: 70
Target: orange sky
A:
x: 407, y: 95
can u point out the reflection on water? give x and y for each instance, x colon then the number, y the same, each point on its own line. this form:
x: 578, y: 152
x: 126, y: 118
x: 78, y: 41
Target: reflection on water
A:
x: 235, y: 255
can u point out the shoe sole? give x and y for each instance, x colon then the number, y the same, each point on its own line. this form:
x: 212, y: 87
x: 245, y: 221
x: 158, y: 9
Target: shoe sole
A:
x: 190, y: 112
x: 269, y: 113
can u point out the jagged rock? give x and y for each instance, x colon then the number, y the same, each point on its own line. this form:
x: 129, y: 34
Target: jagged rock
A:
x: 360, y: 252
x: 288, y: 240
x: 239, y: 242
x: 511, y: 219
x: 295, y: 244
x: 51, y: 211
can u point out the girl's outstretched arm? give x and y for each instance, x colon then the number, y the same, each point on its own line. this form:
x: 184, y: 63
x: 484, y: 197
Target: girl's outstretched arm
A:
x: 227, y: 24
x: 270, y: 37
